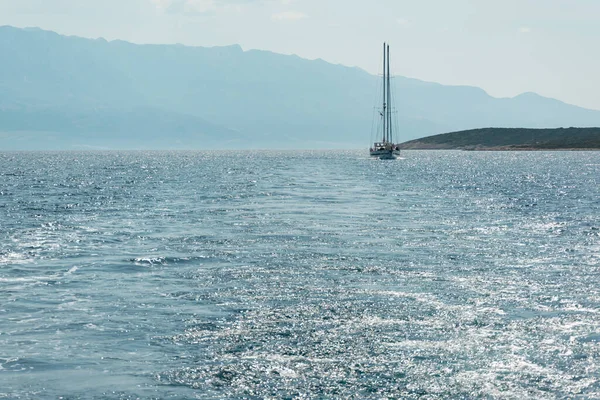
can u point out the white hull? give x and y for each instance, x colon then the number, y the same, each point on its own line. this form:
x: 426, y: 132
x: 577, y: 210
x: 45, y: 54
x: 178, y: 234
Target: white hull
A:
x: 385, y: 154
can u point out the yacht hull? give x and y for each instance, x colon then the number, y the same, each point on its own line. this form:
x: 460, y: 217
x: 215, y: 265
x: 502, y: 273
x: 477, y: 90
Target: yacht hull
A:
x: 385, y: 154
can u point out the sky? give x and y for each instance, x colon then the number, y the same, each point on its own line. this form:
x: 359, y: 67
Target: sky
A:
x: 505, y: 47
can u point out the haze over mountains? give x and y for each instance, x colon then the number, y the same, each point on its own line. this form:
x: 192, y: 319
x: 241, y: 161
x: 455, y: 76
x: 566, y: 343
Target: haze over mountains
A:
x: 59, y: 92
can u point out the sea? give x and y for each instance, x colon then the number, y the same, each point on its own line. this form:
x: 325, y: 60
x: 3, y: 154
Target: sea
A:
x: 299, y: 275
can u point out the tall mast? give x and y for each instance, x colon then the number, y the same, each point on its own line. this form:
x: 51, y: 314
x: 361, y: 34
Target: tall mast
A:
x: 389, y: 97
x: 384, y: 98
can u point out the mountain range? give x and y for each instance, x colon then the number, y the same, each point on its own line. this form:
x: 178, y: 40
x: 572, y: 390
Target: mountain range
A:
x: 64, y: 92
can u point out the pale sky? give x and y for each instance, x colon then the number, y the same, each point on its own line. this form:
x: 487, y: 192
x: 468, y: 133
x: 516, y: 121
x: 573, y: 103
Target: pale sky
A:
x: 506, y: 47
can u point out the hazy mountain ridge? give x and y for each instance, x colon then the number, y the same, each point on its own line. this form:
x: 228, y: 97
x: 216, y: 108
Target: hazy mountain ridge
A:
x: 110, y: 128
x: 510, y: 139
x: 241, y: 98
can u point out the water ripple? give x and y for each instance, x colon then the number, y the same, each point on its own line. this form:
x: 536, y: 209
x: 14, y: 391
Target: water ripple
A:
x: 299, y: 275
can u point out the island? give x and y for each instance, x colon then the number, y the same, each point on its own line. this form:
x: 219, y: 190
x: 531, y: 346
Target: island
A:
x: 510, y: 139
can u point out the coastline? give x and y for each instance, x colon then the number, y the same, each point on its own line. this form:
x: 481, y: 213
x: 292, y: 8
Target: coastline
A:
x: 511, y: 139
x: 500, y: 148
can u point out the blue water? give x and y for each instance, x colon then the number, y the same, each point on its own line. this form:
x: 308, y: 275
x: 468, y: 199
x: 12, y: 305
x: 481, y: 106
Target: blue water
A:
x: 300, y: 275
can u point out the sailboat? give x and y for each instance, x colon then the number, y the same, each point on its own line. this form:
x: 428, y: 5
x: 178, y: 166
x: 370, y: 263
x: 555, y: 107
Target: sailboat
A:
x: 386, y: 149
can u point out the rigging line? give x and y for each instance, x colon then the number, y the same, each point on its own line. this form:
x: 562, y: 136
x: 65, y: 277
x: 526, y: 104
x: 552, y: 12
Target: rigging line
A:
x: 385, y: 115
x: 396, y: 114
x: 373, y: 129
x: 376, y: 113
x: 389, y: 97
x: 394, y: 110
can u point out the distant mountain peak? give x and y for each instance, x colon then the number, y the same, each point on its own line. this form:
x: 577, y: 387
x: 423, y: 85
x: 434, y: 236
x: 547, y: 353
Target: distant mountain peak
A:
x: 528, y: 95
x: 231, y: 47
